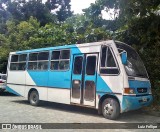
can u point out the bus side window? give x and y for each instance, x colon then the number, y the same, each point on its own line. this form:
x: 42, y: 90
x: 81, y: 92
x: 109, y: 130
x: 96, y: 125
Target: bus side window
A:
x: 108, y: 62
x: 43, y: 58
x: 14, y: 66
x: 78, y: 65
x: 91, y: 65
x: 38, y: 61
x: 14, y: 62
x: 22, y: 62
x: 110, y: 59
x: 18, y: 62
x: 32, y: 62
x: 60, y: 60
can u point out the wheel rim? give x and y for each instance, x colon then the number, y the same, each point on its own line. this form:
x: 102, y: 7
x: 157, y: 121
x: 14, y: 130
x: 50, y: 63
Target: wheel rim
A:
x: 34, y: 98
x: 108, y: 109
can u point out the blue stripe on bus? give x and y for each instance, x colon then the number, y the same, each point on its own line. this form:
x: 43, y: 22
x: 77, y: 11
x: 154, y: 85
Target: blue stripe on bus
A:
x: 10, y: 90
x: 102, y: 85
x: 133, y: 102
x: 51, y: 48
x: 40, y: 78
x: 52, y: 78
x: 62, y: 79
x: 140, y: 84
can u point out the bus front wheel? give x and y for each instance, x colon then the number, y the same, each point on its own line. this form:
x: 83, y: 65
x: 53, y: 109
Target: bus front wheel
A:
x: 110, y: 108
x: 34, y: 98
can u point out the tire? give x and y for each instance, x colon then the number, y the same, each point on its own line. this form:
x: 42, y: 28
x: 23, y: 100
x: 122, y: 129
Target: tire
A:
x: 34, y: 98
x: 110, y: 108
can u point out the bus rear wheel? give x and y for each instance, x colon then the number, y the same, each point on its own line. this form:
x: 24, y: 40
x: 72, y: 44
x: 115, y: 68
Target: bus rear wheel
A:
x: 110, y: 108
x: 34, y: 98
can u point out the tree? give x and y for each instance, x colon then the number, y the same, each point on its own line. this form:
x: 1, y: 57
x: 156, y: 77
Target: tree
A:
x: 142, y: 30
x: 94, y: 13
x: 4, y: 15
x: 61, y: 8
x: 84, y: 29
x: 21, y: 10
x: 38, y: 10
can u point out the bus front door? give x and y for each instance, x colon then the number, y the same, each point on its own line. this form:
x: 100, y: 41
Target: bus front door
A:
x: 84, y: 79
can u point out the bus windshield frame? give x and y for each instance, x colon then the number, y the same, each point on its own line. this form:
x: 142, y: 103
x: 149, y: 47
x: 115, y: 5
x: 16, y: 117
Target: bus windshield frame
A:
x: 134, y: 66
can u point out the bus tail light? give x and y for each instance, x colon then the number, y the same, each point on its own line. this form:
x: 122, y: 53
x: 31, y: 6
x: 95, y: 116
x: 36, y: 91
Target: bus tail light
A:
x: 1, y: 81
x: 129, y: 91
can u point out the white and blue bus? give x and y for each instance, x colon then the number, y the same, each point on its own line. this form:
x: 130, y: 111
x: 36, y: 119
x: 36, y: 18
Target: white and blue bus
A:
x: 108, y: 76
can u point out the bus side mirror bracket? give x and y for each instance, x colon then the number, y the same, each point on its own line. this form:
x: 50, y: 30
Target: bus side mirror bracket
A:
x: 124, y: 58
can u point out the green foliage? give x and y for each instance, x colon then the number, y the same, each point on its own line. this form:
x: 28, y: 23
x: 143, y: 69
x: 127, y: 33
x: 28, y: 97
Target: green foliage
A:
x: 63, y: 6
x: 52, y: 11
x: 142, y: 29
x: 4, y: 51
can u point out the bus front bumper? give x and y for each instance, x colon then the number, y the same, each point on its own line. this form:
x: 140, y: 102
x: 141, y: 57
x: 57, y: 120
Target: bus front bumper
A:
x: 135, y: 102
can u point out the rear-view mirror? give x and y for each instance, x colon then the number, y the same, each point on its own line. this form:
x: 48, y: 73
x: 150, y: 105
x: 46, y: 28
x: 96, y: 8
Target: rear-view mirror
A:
x: 124, y: 58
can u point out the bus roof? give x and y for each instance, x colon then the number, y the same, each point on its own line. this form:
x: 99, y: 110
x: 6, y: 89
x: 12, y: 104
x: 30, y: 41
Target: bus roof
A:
x: 62, y: 47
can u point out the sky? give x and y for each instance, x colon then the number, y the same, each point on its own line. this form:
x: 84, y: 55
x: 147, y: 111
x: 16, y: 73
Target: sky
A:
x: 78, y: 5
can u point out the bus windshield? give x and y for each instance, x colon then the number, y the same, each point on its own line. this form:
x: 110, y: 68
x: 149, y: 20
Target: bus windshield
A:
x: 135, y: 66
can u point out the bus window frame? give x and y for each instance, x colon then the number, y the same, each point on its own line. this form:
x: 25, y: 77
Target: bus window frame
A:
x: 65, y: 70
x: 115, y: 59
x: 37, y: 70
x: 18, y: 62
